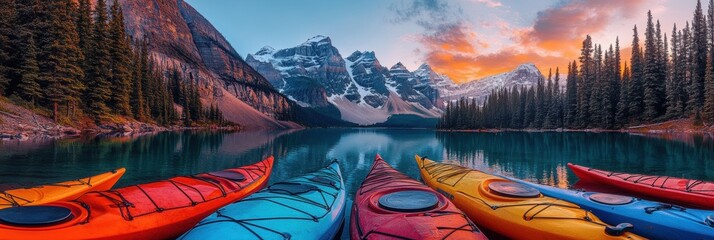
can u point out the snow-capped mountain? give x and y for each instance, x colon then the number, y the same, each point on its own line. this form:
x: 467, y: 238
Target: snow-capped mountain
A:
x: 525, y: 75
x: 362, y: 91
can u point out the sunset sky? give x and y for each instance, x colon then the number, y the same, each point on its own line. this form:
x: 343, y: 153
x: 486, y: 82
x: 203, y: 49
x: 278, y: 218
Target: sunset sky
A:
x: 464, y: 39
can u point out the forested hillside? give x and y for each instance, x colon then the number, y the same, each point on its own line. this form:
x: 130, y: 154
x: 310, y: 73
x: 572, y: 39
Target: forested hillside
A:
x: 667, y: 78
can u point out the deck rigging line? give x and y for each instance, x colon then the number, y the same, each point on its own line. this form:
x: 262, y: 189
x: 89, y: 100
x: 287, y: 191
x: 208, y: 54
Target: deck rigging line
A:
x: 125, y: 205
x: 642, y: 180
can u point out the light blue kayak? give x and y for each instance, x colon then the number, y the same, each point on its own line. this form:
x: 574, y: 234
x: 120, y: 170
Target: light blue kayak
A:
x: 306, y: 207
x: 650, y: 219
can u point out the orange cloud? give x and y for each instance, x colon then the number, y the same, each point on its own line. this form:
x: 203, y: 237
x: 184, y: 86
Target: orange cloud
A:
x: 452, y: 50
x: 554, y: 40
x: 562, y: 28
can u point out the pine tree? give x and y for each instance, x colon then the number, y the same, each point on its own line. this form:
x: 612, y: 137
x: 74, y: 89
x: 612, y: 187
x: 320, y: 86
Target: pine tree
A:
x: 530, y: 108
x: 571, y: 97
x: 7, y: 21
x: 59, y: 54
x: 653, y: 71
x: 137, y: 94
x: 540, y: 109
x: 596, y: 94
x: 616, y: 75
x: 84, y: 31
x: 607, y: 108
x: 518, y: 108
x: 26, y: 20
x: 699, y: 60
x: 99, y: 91
x: 708, y: 107
x: 636, y: 87
x: 29, y: 87
x: 675, y: 104
x: 120, y: 55
x: 687, y: 65
x: 622, y: 114
x: 586, y: 77
x: 553, y: 118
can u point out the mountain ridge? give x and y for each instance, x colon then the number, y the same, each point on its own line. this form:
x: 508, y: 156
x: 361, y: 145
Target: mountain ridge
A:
x: 358, y: 85
x: 362, y: 89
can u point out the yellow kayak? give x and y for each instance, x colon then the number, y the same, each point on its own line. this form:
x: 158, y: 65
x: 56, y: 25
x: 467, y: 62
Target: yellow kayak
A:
x: 514, y: 210
x: 63, y: 191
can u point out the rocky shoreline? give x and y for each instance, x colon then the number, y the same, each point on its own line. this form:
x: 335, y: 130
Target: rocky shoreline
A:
x: 682, y: 126
x: 19, y: 123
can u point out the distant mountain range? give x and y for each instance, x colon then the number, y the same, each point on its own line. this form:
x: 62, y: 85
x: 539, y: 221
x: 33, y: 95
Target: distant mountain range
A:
x: 311, y: 82
x: 359, y: 89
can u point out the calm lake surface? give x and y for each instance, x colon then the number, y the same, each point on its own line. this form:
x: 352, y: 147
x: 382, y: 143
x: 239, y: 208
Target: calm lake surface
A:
x: 540, y: 157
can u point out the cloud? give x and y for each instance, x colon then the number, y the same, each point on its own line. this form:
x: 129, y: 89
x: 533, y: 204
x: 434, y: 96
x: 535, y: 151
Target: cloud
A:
x: 420, y: 10
x: 490, y: 3
x: 454, y: 51
x: 452, y: 47
x: 562, y: 28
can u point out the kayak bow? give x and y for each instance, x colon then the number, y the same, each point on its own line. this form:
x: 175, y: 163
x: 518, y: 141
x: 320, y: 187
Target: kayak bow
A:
x: 687, y: 192
x: 158, y: 210
x: 390, y: 205
x: 63, y: 191
x: 306, y: 207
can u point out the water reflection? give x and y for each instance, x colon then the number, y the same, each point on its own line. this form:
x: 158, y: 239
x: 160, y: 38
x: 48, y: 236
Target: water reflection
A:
x: 542, y: 157
x: 539, y: 157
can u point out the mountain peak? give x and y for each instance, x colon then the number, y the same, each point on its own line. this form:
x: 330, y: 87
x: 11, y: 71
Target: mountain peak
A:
x: 319, y: 39
x: 265, y: 50
x: 354, y: 56
x: 528, y: 67
x: 425, y: 67
x: 366, y: 55
x: 398, y: 66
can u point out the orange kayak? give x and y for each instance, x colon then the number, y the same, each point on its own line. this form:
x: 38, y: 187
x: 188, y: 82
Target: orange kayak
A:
x: 63, y: 191
x: 158, y: 210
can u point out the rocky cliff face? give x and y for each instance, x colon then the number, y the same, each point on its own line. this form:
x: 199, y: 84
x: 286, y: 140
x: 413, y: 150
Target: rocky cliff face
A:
x: 411, y: 87
x: 181, y: 37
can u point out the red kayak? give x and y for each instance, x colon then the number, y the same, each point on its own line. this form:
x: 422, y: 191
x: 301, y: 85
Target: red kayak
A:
x: 390, y: 205
x: 694, y: 193
x: 158, y: 210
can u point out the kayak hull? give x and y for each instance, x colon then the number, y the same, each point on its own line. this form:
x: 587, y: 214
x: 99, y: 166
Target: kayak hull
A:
x: 311, y: 206
x: 63, y: 191
x: 370, y: 220
x: 538, y: 217
x: 668, y: 189
x: 652, y: 220
x: 157, y: 210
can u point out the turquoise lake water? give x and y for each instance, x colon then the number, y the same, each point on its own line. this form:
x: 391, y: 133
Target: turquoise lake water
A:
x: 540, y: 157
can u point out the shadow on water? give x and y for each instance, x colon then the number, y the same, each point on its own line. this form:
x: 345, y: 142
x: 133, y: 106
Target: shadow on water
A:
x: 539, y: 157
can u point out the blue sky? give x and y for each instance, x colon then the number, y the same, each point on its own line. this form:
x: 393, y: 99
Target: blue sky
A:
x: 465, y: 39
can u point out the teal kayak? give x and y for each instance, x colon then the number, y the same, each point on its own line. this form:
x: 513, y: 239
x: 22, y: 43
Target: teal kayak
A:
x: 650, y: 219
x: 311, y: 206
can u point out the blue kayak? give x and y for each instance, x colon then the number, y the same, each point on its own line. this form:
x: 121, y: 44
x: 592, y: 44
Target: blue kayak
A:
x: 311, y: 206
x: 650, y: 219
